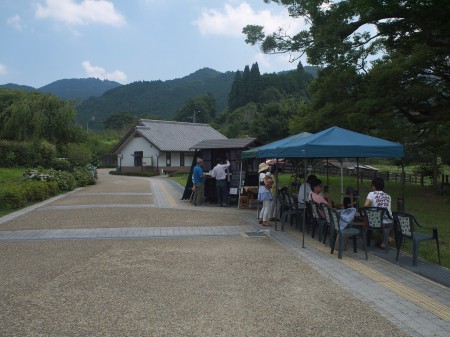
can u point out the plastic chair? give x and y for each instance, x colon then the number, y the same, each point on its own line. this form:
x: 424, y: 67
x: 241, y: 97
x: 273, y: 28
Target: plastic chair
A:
x: 317, y: 221
x: 327, y: 225
x: 289, y: 209
x: 406, y: 229
x: 375, y: 218
x: 343, y: 233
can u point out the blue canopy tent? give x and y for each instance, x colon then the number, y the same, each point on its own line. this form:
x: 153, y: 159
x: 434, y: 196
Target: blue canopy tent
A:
x: 336, y: 142
x: 266, y: 151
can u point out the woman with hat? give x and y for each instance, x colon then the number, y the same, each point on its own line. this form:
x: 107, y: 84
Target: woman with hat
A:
x: 264, y: 193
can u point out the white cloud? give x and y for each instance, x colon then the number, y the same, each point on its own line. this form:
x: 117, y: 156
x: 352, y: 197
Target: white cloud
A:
x: 230, y: 20
x: 99, y: 72
x: 3, y: 70
x: 86, y: 12
x: 15, y: 22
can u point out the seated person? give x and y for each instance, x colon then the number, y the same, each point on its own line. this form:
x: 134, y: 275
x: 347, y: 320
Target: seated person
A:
x: 350, y: 199
x: 379, y: 198
x: 302, y: 193
x: 317, y: 197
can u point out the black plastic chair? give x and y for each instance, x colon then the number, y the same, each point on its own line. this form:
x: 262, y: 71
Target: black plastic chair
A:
x: 289, y: 209
x: 327, y: 224
x: 375, y: 218
x: 345, y: 233
x: 317, y: 222
x: 406, y: 228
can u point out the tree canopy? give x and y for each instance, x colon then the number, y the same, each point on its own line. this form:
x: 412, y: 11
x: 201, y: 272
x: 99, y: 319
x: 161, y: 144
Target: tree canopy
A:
x: 386, y: 67
x: 32, y: 115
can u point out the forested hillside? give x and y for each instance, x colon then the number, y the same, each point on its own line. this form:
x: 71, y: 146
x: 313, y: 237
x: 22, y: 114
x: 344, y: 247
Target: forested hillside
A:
x: 159, y: 98
x: 262, y: 105
x: 79, y: 88
x: 17, y: 87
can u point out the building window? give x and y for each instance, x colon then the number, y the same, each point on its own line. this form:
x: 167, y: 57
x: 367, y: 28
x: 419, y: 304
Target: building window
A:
x: 181, y: 158
x: 168, y: 158
x: 138, y: 158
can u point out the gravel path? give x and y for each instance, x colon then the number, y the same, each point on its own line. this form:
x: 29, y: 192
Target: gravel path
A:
x: 166, y: 287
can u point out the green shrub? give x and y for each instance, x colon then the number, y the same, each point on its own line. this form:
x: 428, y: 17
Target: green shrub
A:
x: 135, y: 174
x: 178, y: 173
x: 34, y: 190
x: 14, y: 197
x: 60, y: 164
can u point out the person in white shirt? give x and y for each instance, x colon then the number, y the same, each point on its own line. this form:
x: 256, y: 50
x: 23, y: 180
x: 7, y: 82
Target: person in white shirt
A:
x: 301, y: 192
x: 219, y: 172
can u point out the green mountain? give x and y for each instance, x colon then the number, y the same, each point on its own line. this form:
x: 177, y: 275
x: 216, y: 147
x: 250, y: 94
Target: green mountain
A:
x: 160, y: 98
x: 17, y: 87
x: 73, y: 89
x: 79, y: 88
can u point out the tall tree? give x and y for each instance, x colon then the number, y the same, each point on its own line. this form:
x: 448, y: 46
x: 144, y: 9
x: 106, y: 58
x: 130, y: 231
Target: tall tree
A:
x: 408, y: 83
x: 34, y: 115
x: 201, y: 109
x: 254, y: 83
x: 235, y: 92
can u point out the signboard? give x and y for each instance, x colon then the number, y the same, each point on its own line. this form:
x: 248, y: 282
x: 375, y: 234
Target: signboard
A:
x: 234, y: 183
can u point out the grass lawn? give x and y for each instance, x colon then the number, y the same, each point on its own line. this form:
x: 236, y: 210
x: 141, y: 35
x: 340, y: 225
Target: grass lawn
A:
x: 429, y: 208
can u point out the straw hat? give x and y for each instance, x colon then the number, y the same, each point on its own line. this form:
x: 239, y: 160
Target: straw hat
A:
x: 263, y: 167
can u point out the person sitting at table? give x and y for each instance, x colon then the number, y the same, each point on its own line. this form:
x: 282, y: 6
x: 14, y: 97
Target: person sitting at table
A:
x: 350, y: 200
x: 317, y: 197
x: 379, y: 198
x: 302, y: 193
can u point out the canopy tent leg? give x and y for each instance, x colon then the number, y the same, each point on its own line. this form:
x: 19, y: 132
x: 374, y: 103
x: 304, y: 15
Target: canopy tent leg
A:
x: 304, y: 198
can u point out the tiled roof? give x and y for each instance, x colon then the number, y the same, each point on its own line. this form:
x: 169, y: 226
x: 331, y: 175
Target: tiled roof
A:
x: 235, y: 143
x: 176, y: 136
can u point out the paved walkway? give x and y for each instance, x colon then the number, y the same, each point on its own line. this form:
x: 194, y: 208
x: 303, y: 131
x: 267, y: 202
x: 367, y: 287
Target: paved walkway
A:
x: 418, y: 306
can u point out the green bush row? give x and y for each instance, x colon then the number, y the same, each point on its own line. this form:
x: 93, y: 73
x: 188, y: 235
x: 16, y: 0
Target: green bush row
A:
x: 19, y: 195
x: 26, y: 154
x: 136, y: 174
x: 40, y: 184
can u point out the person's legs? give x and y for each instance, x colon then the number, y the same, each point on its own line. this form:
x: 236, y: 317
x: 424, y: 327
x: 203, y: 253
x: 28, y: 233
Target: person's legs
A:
x: 200, y: 192
x: 225, y: 192
x: 219, y: 192
x: 265, y: 211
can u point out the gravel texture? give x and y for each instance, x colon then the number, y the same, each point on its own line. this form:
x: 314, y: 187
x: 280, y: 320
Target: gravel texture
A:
x: 173, y: 287
x: 166, y: 287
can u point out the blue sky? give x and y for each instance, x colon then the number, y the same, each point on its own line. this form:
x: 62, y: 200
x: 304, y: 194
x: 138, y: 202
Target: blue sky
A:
x: 132, y: 40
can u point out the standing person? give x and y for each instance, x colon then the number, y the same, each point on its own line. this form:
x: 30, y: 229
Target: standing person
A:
x: 302, y: 193
x: 379, y: 198
x: 199, y: 182
x: 264, y: 194
x: 276, y: 205
x: 219, y: 172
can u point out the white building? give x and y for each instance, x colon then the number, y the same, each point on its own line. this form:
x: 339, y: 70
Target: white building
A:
x: 153, y: 145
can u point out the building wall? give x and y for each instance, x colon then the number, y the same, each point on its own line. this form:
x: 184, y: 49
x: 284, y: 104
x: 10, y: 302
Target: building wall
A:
x: 153, y: 159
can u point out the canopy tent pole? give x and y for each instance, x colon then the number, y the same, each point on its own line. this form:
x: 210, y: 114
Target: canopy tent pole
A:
x: 276, y: 195
x: 357, y: 174
x: 403, y: 184
x: 304, y: 199
x: 328, y: 179
x: 240, y: 185
x: 342, y: 179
